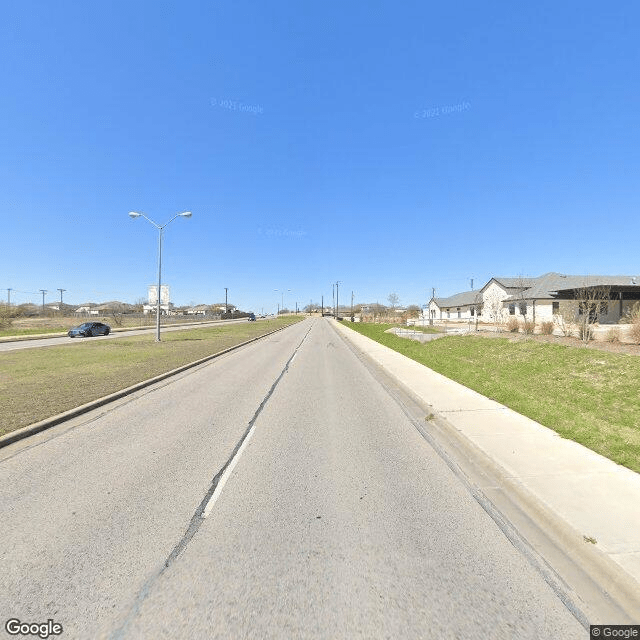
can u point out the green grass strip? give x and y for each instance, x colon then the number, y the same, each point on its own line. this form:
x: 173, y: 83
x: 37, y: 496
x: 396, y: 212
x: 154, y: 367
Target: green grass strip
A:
x: 42, y: 382
x: 585, y: 395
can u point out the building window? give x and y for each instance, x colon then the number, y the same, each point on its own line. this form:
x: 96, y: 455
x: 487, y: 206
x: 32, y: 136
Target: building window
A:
x: 523, y: 308
x: 555, y: 307
x: 473, y: 311
x: 448, y: 314
x: 459, y: 312
x: 512, y: 309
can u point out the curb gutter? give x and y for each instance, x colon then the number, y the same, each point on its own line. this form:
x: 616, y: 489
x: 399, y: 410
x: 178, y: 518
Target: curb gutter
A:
x: 607, y: 574
x: 37, y: 427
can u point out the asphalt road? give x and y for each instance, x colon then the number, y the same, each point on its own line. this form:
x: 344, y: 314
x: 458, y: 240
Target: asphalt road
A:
x: 334, y: 519
x: 50, y: 342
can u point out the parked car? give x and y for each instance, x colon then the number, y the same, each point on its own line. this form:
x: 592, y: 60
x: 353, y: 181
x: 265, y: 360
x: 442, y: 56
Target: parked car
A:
x: 89, y: 329
x: 252, y: 317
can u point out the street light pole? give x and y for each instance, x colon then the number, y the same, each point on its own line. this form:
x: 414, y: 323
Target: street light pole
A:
x: 43, y: 291
x: 281, y: 292
x: 226, y: 306
x: 184, y: 214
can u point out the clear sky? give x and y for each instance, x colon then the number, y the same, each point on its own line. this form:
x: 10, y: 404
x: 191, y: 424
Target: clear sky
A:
x: 393, y: 146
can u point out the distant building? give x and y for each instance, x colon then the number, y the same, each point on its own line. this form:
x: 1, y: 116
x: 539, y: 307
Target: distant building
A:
x: 540, y: 299
x: 87, y: 310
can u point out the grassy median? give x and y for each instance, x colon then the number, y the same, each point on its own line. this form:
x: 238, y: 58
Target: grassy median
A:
x: 39, y: 383
x: 584, y: 395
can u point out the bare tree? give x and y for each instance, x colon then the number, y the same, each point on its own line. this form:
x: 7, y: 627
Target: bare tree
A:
x: 116, y: 310
x: 393, y: 299
x: 496, y: 309
x: 565, y: 317
x: 591, y: 302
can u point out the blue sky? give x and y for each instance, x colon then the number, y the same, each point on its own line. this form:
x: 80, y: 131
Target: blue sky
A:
x: 394, y: 147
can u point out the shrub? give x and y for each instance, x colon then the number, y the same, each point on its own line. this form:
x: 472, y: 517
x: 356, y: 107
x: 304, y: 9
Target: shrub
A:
x: 513, y: 325
x: 528, y: 327
x: 8, y: 315
x: 546, y: 328
x: 633, y: 318
x: 613, y: 335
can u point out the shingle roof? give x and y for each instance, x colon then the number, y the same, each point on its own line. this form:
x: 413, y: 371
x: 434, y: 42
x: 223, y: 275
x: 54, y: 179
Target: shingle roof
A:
x: 550, y: 283
x: 459, y: 299
x: 517, y: 283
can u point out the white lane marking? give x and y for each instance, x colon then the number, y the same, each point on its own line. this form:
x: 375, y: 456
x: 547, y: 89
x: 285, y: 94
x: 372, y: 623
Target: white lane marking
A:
x: 227, y: 472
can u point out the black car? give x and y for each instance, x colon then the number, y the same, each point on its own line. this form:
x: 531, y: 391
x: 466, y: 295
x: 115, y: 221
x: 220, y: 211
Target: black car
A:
x: 252, y: 317
x: 89, y: 329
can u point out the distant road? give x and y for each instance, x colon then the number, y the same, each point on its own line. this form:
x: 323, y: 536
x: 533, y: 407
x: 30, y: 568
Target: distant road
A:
x: 335, y: 518
x: 48, y: 342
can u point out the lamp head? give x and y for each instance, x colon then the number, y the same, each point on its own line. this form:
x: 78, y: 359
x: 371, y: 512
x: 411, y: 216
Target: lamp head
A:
x: 186, y: 214
x: 133, y: 214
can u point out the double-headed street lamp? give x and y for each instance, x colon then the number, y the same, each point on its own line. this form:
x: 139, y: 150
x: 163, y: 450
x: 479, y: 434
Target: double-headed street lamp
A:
x: 281, y: 291
x: 134, y: 214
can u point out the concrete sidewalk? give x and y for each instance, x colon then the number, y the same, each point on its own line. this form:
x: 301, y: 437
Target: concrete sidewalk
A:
x: 592, y: 502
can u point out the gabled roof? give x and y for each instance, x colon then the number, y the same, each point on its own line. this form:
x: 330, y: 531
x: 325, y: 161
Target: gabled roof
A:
x: 517, y: 283
x: 550, y: 284
x: 459, y: 299
x: 513, y: 284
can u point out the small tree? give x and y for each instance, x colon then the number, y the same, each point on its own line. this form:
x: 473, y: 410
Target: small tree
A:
x: 495, y: 308
x: 590, y: 302
x: 565, y: 317
x: 394, y: 300
x: 116, y: 310
x: 478, y: 305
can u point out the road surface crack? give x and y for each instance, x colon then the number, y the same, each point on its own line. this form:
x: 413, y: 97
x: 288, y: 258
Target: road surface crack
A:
x: 199, y: 516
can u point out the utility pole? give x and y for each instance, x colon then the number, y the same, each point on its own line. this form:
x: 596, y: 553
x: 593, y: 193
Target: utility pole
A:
x: 333, y: 298
x: 296, y: 307
x: 61, y: 290
x: 337, y: 303
x: 433, y: 292
x: 471, y: 284
x: 352, y: 304
x: 9, y: 290
x: 43, y: 291
x: 322, y: 306
x: 226, y: 306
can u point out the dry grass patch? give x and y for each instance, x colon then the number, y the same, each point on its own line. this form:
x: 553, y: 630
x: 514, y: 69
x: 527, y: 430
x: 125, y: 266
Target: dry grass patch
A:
x: 38, y: 383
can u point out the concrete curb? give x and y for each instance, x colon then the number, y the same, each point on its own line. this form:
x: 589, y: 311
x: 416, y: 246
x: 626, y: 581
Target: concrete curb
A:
x: 609, y: 575
x: 37, y: 427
